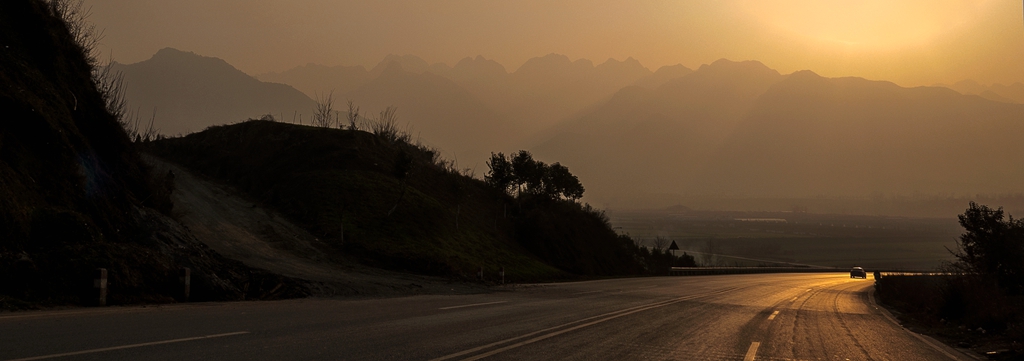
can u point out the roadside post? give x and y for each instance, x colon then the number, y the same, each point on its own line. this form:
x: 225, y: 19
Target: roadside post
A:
x: 502, y: 273
x: 480, y: 274
x: 100, y: 284
x: 186, y: 280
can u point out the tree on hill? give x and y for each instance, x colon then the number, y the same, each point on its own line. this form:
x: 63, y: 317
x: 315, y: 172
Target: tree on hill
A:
x: 564, y: 183
x: 527, y: 173
x: 529, y: 176
x: 500, y: 175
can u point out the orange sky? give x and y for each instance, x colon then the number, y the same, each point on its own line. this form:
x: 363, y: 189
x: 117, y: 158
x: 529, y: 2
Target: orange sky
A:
x: 910, y: 42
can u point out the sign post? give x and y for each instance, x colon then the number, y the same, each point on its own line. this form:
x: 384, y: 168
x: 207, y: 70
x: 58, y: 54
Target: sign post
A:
x: 674, y: 247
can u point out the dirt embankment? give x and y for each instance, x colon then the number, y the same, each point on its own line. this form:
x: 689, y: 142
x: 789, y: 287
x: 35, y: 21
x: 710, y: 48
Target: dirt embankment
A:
x: 239, y: 229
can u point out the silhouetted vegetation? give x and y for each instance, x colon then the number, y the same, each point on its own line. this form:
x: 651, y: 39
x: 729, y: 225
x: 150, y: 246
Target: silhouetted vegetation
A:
x: 385, y: 125
x: 353, y: 116
x: 324, y: 115
x: 524, y: 174
x: 992, y: 247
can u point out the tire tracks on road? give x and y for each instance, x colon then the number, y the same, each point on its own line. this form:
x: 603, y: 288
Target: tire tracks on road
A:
x: 844, y: 325
x: 540, y: 335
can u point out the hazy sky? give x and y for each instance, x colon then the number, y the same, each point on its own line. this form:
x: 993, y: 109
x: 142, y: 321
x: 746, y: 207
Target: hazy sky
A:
x: 910, y: 42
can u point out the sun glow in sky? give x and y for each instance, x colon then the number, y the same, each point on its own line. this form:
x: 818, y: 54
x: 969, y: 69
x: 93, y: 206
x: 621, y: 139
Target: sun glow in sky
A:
x: 910, y: 42
x: 869, y: 24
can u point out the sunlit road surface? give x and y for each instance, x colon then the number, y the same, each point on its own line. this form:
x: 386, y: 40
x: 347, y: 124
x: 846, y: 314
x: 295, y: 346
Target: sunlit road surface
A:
x: 734, y: 317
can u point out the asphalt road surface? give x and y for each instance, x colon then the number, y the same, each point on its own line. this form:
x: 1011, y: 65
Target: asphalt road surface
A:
x: 734, y: 317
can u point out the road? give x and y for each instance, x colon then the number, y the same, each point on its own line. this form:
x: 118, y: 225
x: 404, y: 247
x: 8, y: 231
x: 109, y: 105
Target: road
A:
x: 733, y: 317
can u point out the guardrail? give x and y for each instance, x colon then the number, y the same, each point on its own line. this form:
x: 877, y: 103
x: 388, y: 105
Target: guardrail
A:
x: 703, y: 271
x: 919, y: 273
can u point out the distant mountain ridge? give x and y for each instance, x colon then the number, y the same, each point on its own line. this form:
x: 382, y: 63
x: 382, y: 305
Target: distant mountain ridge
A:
x: 542, y: 91
x: 190, y: 92
x: 477, y: 105
x: 728, y: 128
x: 1013, y: 93
x: 741, y: 129
x: 438, y: 112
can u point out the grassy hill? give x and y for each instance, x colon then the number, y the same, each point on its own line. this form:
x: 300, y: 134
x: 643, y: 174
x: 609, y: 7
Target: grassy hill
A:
x: 398, y: 206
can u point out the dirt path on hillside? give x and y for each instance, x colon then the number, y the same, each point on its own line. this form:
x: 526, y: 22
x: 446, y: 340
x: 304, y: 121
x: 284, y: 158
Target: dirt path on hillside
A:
x: 239, y: 229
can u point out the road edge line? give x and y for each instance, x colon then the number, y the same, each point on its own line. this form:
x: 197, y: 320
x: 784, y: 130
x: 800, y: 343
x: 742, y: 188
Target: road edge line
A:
x: 931, y: 342
x: 472, y: 305
x: 115, y: 348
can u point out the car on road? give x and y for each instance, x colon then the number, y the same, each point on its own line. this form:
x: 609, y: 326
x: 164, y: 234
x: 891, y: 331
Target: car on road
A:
x: 858, y: 272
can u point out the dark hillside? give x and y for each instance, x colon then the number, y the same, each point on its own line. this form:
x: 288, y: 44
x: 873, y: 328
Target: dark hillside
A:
x: 557, y: 231
x: 73, y: 191
x: 395, y: 205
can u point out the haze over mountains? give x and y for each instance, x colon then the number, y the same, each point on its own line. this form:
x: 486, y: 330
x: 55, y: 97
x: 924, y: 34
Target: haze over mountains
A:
x: 190, y: 92
x: 640, y: 138
x: 543, y: 90
x: 743, y: 130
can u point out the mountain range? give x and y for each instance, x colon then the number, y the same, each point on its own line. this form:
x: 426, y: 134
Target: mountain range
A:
x: 728, y: 129
x: 741, y: 129
x: 185, y: 92
x: 544, y: 90
x: 1013, y: 93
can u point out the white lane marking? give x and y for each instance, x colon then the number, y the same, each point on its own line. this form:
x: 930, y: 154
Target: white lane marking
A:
x: 772, y: 317
x: 105, y: 349
x: 57, y: 314
x: 794, y: 299
x: 809, y: 289
x: 109, y: 310
x: 752, y: 351
x: 559, y: 332
x: 583, y: 293
x: 472, y: 305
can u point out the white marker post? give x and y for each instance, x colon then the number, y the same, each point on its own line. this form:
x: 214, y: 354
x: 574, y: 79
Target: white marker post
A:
x: 502, y: 273
x: 186, y: 280
x: 100, y: 283
x: 480, y: 274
